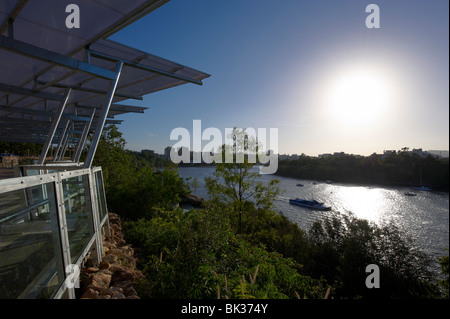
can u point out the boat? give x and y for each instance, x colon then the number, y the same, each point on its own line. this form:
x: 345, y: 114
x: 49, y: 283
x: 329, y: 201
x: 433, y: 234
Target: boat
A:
x: 314, y: 183
x: 328, y: 182
x: 313, y: 204
x: 410, y: 194
x: 299, y: 185
x: 422, y: 188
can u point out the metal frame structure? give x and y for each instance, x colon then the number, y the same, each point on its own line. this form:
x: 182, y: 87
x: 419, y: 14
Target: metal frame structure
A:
x: 58, y: 200
x: 68, y: 82
x: 59, y: 87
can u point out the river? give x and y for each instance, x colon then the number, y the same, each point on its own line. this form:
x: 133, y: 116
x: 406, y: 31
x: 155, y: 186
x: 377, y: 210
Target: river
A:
x: 425, y: 217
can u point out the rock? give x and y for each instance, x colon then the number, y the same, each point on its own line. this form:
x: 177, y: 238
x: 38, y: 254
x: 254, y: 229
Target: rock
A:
x: 129, y: 292
x: 122, y: 276
x: 90, y: 270
x: 123, y: 284
x: 111, y: 291
x: 104, y: 265
x: 116, y: 268
x: 113, y: 277
x: 110, y: 259
x: 90, y: 294
x: 101, y: 280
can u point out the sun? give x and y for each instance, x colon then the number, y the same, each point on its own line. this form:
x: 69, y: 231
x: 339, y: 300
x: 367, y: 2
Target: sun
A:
x: 358, y: 98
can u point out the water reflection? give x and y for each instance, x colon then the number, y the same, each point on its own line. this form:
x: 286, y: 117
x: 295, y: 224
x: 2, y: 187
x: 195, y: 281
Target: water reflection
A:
x: 363, y: 202
x: 424, y: 217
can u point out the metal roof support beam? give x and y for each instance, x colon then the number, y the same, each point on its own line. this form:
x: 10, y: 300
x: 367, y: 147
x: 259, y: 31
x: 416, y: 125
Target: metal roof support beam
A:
x: 116, y: 107
x: 90, y: 90
x: 53, y: 57
x: 102, y: 117
x: 7, y: 23
x: 24, y: 91
x: 79, y: 149
x: 143, y: 67
x: 53, y: 128
x: 61, y: 141
x: 65, y: 144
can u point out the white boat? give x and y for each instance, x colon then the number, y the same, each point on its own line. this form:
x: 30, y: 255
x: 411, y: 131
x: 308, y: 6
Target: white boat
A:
x: 422, y: 188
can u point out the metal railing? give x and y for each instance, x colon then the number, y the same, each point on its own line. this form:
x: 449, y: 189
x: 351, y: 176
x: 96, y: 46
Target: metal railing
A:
x: 51, y: 220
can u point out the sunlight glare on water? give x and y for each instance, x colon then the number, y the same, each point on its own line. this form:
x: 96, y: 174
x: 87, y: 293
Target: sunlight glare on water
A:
x: 425, y: 217
x: 363, y: 202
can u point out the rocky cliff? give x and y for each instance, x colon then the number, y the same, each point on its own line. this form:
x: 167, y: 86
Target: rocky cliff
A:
x: 114, y: 277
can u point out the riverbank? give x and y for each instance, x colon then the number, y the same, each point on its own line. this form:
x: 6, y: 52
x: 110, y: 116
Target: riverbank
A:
x: 434, y: 188
x: 115, y: 276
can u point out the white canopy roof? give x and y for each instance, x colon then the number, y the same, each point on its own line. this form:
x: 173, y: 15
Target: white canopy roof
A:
x: 40, y: 59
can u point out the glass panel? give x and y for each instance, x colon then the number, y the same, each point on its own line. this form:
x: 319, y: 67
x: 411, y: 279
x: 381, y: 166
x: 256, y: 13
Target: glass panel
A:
x: 77, y: 203
x: 100, y: 195
x: 30, y: 247
x: 32, y: 172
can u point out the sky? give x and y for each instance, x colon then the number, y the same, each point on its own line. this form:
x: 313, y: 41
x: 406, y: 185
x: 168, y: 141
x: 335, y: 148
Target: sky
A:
x: 312, y: 69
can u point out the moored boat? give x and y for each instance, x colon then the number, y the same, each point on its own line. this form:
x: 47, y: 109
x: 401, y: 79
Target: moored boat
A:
x: 313, y: 204
x: 422, y: 188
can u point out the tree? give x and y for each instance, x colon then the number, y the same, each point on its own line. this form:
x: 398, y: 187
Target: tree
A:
x: 195, y: 184
x: 341, y: 248
x: 443, y: 261
x: 134, y: 189
x: 234, y: 186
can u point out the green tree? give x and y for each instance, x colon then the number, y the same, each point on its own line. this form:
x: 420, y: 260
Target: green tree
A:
x: 133, y: 188
x: 444, y: 283
x: 235, y: 187
x: 341, y: 248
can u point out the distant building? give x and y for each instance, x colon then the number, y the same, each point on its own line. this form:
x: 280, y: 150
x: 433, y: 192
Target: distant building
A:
x: 420, y: 152
x: 387, y: 153
x: 167, y: 153
x: 148, y: 152
x: 8, y: 160
x: 438, y: 153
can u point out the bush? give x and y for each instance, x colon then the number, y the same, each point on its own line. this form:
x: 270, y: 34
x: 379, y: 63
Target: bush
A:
x: 341, y: 248
x: 196, y: 255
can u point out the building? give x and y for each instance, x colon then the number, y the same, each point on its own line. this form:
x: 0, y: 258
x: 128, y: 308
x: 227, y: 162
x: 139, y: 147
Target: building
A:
x: 8, y: 160
x: 387, y: 153
x: 167, y: 151
x: 59, y: 87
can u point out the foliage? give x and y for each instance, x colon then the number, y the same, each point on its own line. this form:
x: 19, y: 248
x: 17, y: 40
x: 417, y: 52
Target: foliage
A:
x: 196, y: 255
x: 21, y: 149
x: 133, y: 187
x: 398, y: 168
x: 341, y: 248
x: 238, y: 247
x: 443, y: 261
x: 235, y: 187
